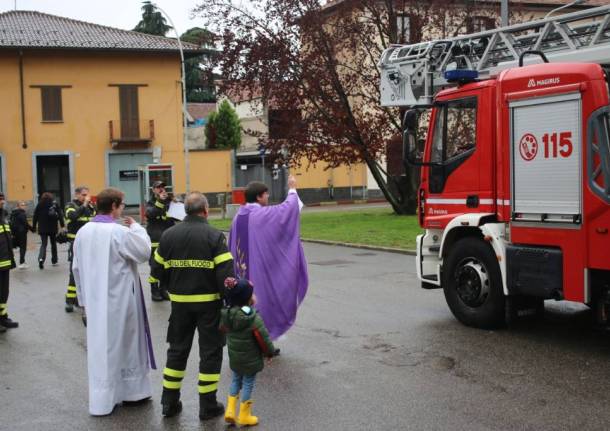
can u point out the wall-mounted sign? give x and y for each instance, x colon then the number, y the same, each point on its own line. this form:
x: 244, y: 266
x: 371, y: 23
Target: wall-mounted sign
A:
x: 131, y: 175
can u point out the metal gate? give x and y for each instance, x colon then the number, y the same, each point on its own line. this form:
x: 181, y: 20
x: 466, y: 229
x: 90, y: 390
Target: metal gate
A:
x: 274, y: 177
x: 123, y: 174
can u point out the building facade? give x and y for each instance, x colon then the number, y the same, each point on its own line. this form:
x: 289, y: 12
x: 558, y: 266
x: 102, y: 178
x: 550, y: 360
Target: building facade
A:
x: 89, y: 105
x: 317, y: 183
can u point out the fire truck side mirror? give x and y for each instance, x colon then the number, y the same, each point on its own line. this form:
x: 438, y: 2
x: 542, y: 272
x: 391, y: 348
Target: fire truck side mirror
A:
x: 409, y: 120
x: 412, y: 148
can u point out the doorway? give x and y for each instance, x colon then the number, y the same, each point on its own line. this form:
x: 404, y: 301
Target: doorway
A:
x: 53, y: 175
x: 123, y: 174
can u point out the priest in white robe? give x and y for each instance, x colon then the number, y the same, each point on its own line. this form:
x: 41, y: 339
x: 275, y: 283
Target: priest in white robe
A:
x: 105, y: 265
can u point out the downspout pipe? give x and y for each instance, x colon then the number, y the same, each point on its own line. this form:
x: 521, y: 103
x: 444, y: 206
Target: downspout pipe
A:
x: 24, y: 143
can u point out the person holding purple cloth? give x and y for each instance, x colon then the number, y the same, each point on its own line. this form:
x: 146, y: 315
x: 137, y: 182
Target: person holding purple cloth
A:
x: 265, y: 242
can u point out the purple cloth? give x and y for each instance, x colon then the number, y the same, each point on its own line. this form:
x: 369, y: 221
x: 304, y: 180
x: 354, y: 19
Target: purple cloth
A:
x: 151, y: 354
x: 103, y: 218
x: 267, y: 250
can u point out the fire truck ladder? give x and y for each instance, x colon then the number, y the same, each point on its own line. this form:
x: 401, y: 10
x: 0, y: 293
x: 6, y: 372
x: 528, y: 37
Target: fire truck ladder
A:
x: 412, y: 74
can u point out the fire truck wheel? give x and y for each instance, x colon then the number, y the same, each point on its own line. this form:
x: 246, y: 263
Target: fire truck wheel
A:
x: 473, y: 284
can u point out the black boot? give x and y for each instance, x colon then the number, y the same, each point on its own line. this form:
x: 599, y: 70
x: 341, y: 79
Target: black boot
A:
x: 2, y: 329
x: 172, y: 409
x: 155, y: 292
x: 8, y: 323
x: 70, y: 305
x: 209, y: 408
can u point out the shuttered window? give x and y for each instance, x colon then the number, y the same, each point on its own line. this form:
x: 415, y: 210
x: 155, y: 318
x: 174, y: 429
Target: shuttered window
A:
x: 128, y: 101
x: 51, y: 104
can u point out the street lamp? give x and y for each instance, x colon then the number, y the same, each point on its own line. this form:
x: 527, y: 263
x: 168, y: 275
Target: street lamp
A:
x: 184, y: 111
x: 574, y: 3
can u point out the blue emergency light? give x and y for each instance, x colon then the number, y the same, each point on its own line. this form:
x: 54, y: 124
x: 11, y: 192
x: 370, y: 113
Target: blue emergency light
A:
x: 461, y: 76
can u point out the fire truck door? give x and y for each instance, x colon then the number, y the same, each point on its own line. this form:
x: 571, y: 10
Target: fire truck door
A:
x: 461, y: 145
x: 598, y: 175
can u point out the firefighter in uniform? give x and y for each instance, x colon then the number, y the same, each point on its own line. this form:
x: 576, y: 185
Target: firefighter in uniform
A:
x: 193, y: 261
x: 157, y: 222
x: 77, y: 213
x: 7, y: 262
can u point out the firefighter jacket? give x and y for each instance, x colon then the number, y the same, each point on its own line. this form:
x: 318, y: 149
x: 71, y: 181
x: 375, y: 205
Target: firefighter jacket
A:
x: 247, y: 339
x: 192, y: 262
x: 7, y: 259
x: 77, y: 215
x: 157, y: 220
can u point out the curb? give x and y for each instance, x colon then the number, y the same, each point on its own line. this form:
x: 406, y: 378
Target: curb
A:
x: 359, y: 246
x: 346, y: 202
x: 362, y: 246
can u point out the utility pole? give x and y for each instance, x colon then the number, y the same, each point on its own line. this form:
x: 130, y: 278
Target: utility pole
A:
x: 187, y: 170
x: 504, y: 13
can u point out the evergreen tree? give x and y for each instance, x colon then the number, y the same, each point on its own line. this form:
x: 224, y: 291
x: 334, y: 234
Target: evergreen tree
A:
x: 227, y: 127
x: 198, y: 70
x: 152, y: 21
x: 210, y: 130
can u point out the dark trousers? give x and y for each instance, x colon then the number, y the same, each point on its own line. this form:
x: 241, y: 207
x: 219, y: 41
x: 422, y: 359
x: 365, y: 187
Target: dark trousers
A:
x: 154, y: 283
x: 4, y: 278
x: 71, y: 292
x: 22, y: 243
x: 45, y: 237
x: 184, y: 319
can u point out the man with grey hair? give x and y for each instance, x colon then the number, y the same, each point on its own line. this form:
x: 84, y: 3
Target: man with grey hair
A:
x: 192, y: 263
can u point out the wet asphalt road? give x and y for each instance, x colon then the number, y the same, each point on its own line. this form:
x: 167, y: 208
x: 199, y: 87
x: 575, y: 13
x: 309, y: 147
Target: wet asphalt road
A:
x: 370, y: 351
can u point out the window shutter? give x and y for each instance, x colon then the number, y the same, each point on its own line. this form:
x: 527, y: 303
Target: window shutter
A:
x: 51, y: 103
x: 128, y: 105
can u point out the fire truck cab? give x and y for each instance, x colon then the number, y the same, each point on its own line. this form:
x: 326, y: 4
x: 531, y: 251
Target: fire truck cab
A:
x: 515, y: 192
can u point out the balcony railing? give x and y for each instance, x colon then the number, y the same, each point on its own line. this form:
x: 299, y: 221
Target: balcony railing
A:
x: 135, y: 131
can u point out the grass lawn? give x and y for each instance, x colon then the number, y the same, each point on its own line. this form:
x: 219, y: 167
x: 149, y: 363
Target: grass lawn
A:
x: 379, y: 227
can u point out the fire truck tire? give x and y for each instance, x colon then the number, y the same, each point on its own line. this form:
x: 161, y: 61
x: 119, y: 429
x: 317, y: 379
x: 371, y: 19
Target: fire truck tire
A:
x: 472, y: 284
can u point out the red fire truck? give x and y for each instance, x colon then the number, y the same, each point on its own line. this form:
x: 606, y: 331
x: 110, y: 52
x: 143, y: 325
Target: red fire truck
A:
x: 515, y: 168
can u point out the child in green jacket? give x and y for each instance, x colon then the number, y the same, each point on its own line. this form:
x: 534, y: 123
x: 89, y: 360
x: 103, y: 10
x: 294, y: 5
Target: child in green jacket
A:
x: 248, y: 341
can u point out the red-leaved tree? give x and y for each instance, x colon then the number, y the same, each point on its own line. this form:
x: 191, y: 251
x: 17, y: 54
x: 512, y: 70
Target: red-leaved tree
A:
x: 317, y: 62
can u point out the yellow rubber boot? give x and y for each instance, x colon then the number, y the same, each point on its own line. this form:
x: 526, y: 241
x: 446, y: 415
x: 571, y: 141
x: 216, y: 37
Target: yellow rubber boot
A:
x: 230, y: 411
x: 245, y: 414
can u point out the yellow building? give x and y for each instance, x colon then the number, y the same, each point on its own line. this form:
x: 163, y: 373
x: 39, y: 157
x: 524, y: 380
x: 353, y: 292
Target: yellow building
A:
x: 84, y: 104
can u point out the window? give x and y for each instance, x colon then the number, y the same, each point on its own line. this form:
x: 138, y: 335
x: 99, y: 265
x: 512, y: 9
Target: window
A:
x: 403, y: 26
x: 454, y: 139
x: 284, y: 124
x: 51, y: 104
x: 599, y: 153
x: 128, y: 104
x: 455, y: 129
x: 477, y: 24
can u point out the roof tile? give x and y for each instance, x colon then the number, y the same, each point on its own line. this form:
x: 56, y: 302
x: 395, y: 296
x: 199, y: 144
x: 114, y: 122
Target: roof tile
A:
x: 32, y: 29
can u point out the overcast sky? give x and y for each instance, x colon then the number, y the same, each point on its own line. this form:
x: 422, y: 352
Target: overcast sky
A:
x: 123, y: 14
